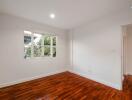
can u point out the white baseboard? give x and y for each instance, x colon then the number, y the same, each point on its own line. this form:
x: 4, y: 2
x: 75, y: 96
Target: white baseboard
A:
x: 48, y: 74
x: 129, y: 73
x: 29, y: 79
x: 116, y: 86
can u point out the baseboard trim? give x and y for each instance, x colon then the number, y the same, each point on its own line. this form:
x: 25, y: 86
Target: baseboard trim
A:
x: 109, y: 84
x: 52, y: 73
x: 29, y: 79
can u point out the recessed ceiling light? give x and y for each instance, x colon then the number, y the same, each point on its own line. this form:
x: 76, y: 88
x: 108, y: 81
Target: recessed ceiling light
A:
x: 52, y: 16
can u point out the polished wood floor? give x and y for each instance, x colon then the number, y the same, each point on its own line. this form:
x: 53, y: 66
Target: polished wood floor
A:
x: 127, y: 86
x: 65, y: 86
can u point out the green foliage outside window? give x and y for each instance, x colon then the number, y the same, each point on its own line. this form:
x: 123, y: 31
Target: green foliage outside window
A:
x: 47, y: 40
x: 37, y: 51
x: 54, y: 51
x: 54, y: 41
x: 39, y: 46
x: 47, y: 51
x: 27, y: 52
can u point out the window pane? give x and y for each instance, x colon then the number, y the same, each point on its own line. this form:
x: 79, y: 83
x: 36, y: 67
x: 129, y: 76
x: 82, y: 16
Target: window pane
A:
x: 54, y: 41
x: 27, y: 52
x: 47, y: 40
x: 47, y: 50
x: 37, y: 51
x: 37, y: 39
x: 27, y: 40
x: 27, y: 46
x: 54, y: 51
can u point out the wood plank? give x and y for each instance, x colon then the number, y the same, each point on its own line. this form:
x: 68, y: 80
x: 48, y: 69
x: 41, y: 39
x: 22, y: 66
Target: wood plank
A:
x: 66, y: 86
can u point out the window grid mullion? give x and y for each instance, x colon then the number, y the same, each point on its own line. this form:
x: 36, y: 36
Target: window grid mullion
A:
x: 42, y: 46
x: 54, y: 46
x: 32, y: 47
x: 51, y: 49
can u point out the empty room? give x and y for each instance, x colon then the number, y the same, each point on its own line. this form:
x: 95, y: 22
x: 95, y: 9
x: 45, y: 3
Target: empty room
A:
x: 65, y: 49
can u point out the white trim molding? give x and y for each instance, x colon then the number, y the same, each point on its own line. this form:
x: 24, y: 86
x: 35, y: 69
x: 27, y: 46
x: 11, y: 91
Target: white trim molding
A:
x: 115, y: 86
x: 29, y: 79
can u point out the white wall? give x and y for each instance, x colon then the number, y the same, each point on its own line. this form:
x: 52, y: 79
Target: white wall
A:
x: 13, y: 67
x: 129, y: 49
x: 97, y: 49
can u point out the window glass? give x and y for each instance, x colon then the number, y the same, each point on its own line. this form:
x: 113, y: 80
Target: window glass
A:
x: 27, y: 46
x: 37, y: 51
x: 37, y: 39
x: 37, y: 42
x: 47, y: 51
x: 54, y: 51
x: 47, y: 40
x: 54, y: 41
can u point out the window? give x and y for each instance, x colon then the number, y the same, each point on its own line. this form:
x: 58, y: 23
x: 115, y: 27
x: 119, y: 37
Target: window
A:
x: 38, y: 45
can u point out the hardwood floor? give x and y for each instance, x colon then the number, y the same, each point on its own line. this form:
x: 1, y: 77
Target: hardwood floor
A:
x: 127, y: 86
x: 65, y: 86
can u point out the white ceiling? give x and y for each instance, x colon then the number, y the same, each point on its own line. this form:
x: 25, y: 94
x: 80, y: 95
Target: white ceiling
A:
x: 69, y: 13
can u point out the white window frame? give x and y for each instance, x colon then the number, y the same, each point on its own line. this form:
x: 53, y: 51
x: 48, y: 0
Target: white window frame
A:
x: 42, y: 45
